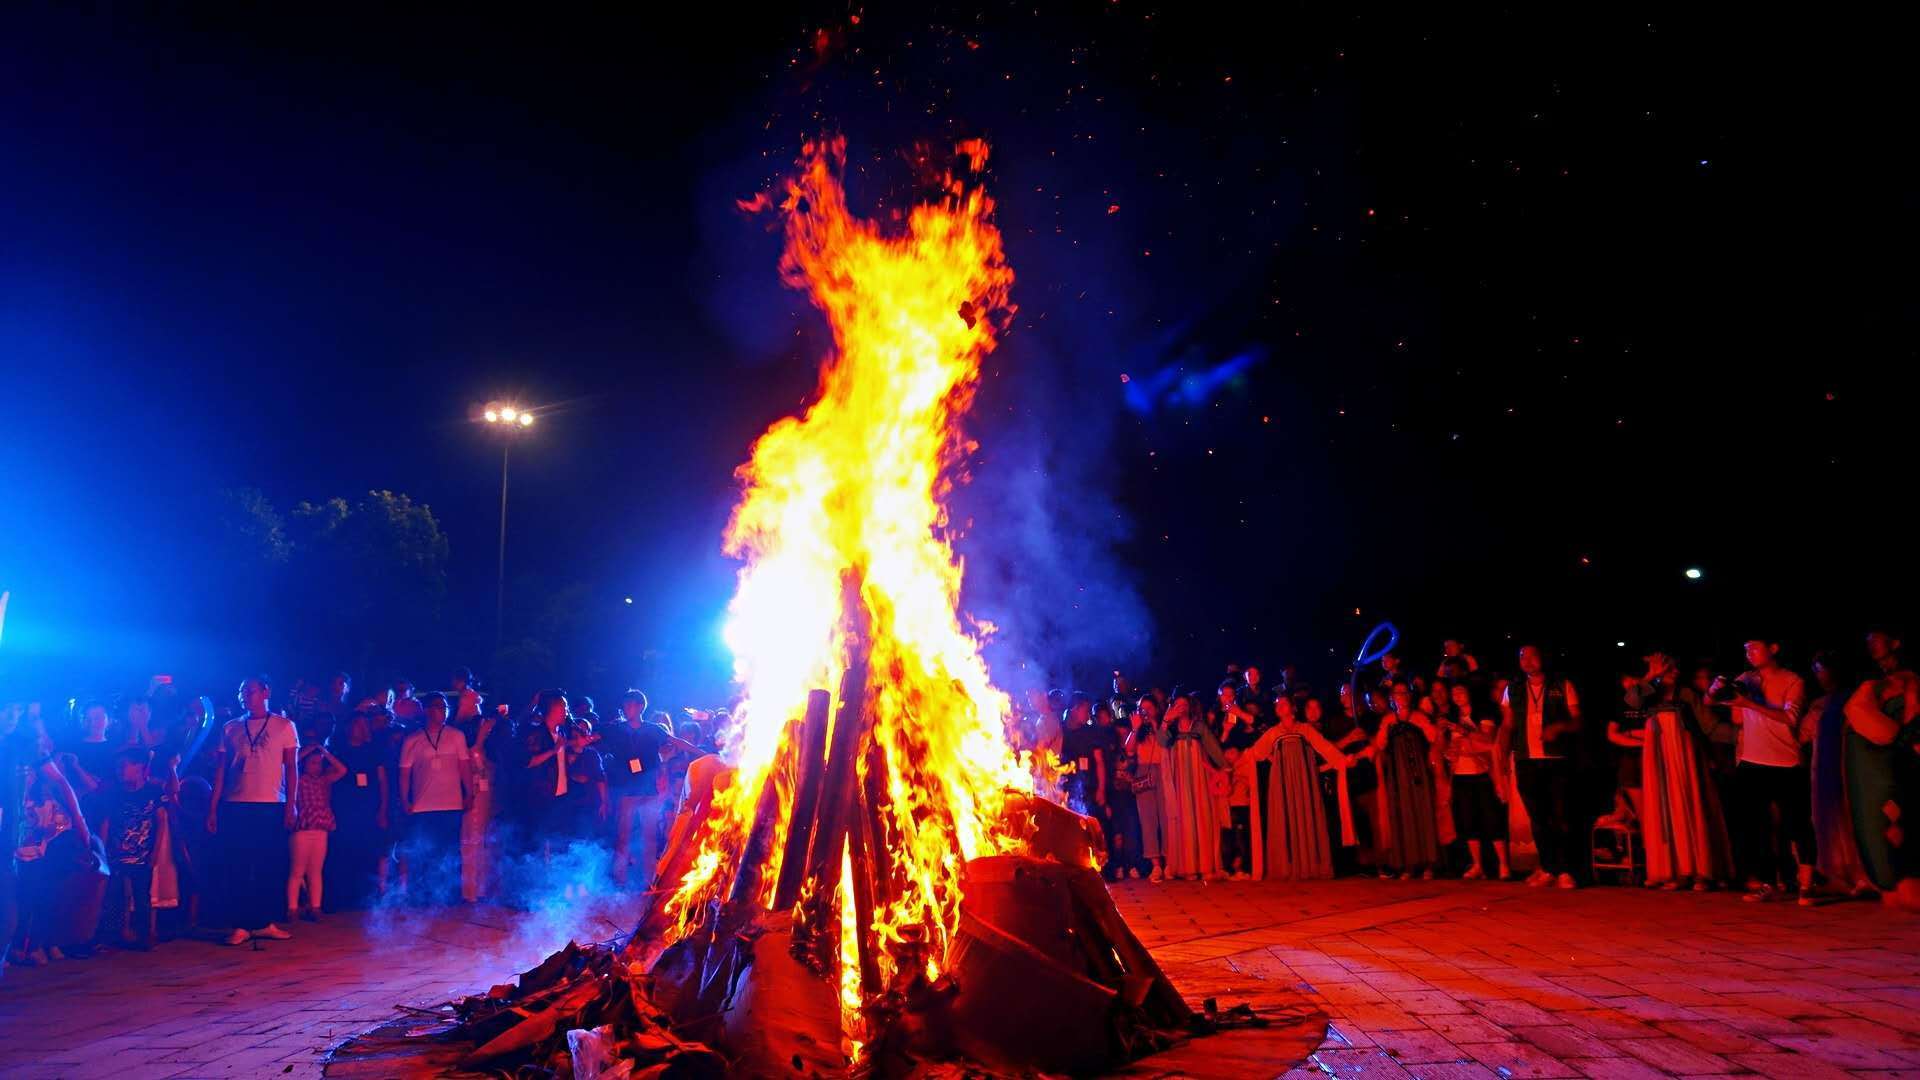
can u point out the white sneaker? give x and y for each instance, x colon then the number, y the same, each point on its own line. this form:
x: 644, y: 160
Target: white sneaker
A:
x: 238, y: 937
x: 272, y: 932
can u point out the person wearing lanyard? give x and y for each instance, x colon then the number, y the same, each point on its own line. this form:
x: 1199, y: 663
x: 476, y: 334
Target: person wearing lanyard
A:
x: 1540, y: 726
x: 436, y: 786
x: 256, y: 782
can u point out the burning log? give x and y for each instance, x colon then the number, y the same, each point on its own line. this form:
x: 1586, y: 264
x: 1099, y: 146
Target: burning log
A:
x: 806, y: 800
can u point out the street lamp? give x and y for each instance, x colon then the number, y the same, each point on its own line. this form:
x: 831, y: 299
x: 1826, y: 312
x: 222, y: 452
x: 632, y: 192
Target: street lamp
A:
x: 510, y: 421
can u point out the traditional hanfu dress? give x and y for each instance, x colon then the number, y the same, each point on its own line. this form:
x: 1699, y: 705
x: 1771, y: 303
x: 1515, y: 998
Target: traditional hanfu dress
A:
x: 1409, y: 836
x: 1296, y: 841
x: 1681, y: 825
x: 1834, y: 846
x: 1190, y: 815
x: 1875, y: 775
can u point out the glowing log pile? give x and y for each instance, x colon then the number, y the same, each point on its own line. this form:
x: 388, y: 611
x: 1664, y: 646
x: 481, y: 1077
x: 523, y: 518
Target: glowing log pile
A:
x: 853, y: 832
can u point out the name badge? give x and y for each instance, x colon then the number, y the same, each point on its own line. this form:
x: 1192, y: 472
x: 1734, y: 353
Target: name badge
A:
x: 633, y: 765
x: 1083, y: 765
x: 359, y: 779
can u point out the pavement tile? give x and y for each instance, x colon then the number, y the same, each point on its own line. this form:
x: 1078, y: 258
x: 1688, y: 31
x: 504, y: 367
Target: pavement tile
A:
x: 1468, y: 1028
x: 1676, y: 1056
x: 1419, y: 1047
x: 1519, y: 1060
x: 1565, y: 1041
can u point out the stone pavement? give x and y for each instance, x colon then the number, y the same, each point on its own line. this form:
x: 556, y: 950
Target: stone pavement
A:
x: 1448, y: 981
x: 1433, y: 980
x: 193, y: 1009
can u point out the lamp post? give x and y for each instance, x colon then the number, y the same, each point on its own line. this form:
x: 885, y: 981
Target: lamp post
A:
x: 511, y: 421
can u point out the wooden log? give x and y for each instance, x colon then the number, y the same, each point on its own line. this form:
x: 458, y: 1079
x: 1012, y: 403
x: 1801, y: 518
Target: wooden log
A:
x: 837, y: 800
x: 811, y: 770
x: 752, y: 868
x: 865, y: 947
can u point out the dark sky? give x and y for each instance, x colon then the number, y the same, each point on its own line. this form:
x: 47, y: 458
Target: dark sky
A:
x: 1488, y: 324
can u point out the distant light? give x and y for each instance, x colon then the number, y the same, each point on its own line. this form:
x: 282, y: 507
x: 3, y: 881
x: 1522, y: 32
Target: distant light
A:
x: 509, y: 414
x: 629, y: 599
x: 493, y: 416
x: 1619, y: 644
x: 1693, y: 573
x: 526, y: 419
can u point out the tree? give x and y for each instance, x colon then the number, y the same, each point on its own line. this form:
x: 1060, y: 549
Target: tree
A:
x: 355, y: 584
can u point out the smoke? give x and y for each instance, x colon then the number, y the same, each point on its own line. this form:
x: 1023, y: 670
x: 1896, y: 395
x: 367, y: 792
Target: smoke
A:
x: 1040, y: 530
x: 548, y: 895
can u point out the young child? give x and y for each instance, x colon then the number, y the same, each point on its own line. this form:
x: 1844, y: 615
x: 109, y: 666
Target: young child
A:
x: 313, y: 820
x: 1237, y: 838
x: 128, y: 813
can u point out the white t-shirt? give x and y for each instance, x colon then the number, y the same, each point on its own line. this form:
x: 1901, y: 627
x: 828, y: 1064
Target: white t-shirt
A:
x: 255, y: 750
x: 433, y: 767
x: 1764, y: 740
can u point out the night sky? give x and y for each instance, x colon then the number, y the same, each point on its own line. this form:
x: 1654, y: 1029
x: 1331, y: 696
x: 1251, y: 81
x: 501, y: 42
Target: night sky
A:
x: 1491, y: 325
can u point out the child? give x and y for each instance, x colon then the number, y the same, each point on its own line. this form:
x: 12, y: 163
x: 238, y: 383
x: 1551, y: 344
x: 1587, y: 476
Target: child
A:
x: 1237, y: 837
x: 313, y: 820
x: 129, y: 821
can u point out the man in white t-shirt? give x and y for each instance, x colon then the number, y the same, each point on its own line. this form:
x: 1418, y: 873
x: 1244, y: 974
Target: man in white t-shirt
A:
x: 436, y: 787
x: 1768, y: 704
x: 255, y: 785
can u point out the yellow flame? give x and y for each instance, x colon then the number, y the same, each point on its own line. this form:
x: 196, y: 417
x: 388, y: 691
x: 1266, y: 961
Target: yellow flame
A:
x: 858, y: 483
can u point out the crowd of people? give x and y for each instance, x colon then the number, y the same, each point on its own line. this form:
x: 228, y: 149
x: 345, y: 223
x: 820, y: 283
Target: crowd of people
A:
x: 166, y: 816
x: 1766, y: 781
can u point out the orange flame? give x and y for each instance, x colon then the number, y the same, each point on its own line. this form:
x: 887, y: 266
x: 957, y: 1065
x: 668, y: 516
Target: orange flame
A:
x: 859, y: 483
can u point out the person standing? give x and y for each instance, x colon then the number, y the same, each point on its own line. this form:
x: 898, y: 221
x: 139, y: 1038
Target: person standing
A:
x: 1149, y: 757
x: 255, y: 780
x: 360, y: 813
x: 1770, y: 777
x: 127, y: 815
x: 1410, y: 831
x: 1479, y: 804
x: 476, y: 825
x: 313, y: 820
x: 632, y: 744
x: 436, y: 787
x: 1298, y: 847
x: 1838, y: 853
x: 1883, y: 784
x: 1540, y: 725
x: 1191, y: 827
x: 1682, y: 828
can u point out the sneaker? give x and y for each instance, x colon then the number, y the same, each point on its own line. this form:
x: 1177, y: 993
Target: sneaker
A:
x: 238, y: 937
x: 1133, y: 872
x: 312, y: 915
x: 1427, y: 874
x: 1473, y: 873
x: 1238, y: 875
x: 1565, y: 881
x: 1538, y: 878
x: 1702, y: 886
x: 272, y: 932
x: 1762, y: 895
x: 1157, y: 876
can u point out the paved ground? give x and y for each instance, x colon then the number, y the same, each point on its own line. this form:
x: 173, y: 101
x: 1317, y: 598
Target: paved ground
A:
x: 1433, y: 980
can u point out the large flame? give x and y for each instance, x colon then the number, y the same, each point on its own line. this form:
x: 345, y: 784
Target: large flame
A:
x: 855, y: 490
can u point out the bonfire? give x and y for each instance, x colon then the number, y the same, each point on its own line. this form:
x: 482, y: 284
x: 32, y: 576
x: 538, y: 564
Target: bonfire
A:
x: 877, y: 882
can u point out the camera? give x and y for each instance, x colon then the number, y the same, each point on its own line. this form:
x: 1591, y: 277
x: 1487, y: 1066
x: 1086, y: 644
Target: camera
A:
x: 1724, y: 690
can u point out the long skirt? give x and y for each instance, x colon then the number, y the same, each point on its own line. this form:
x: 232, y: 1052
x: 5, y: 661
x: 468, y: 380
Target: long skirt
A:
x: 1151, y: 847
x: 1297, y: 844
x: 1834, y: 845
x: 1871, y: 789
x: 1409, y: 835
x: 1190, y: 821
x: 1681, y: 825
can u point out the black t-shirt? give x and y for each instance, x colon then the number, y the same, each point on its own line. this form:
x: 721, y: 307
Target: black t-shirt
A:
x: 97, y: 760
x: 585, y: 770
x: 633, y: 756
x: 1077, y: 749
x: 362, y: 782
x: 132, y: 822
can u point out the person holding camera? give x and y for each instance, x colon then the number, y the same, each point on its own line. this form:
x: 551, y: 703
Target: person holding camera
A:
x: 1540, y: 726
x: 1769, y: 775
